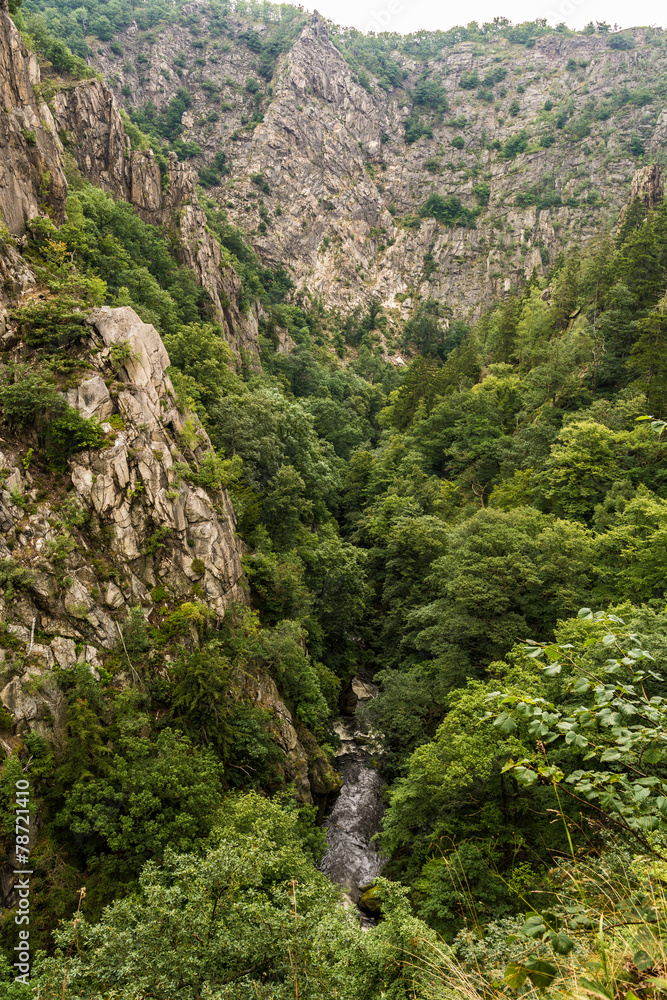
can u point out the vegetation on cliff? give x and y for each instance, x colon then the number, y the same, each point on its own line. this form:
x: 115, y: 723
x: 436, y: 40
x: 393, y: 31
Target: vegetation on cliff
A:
x: 482, y: 528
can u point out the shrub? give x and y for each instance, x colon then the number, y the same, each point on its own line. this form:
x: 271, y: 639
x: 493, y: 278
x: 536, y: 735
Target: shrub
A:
x: 482, y: 193
x: 447, y: 209
x: 261, y: 182
x: 135, y: 633
x: 621, y: 42
x: 30, y: 399
x: 69, y: 433
x: 429, y: 94
x: 469, y: 81
x: 636, y: 147
x: 14, y: 577
x: 514, y: 145
x: 51, y: 323
x: 458, y: 142
x: 415, y: 129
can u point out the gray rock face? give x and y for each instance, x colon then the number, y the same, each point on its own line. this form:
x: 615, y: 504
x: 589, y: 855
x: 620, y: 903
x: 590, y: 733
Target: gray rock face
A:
x: 31, y: 176
x: 162, y: 530
x: 146, y: 527
x: 133, y: 485
x: 345, y: 187
x: 88, y: 118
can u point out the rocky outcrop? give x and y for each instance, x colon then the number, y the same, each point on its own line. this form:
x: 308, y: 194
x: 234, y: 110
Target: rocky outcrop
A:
x: 32, y: 181
x: 140, y: 536
x: 88, y: 120
x: 648, y: 185
x: 137, y: 485
x: 201, y: 252
x: 133, y: 531
x: 147, y: 526
x: 305, y: 765
x: 340, y: 206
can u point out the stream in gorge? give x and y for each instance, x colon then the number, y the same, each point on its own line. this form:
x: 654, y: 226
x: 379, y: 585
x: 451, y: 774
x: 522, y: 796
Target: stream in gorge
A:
x: 352, y: 860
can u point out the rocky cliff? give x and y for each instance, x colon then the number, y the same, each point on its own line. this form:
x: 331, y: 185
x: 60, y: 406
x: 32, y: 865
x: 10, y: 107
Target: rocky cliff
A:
x: 144, y: 528
x: 126, y: 533
x: 138, y: 534
x: 32, y: 181
x: 85, y: 116
x: 338, y: 187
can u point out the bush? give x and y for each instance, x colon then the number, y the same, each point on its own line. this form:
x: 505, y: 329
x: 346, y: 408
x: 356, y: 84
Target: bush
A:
x: 31, y: 399
x: 261, y: 182
x: 469, y: 80
x: 447, y: 209
x: 69, y: 433
x: 636, y: 147
x: 14, y: 577
x: 621, y: 42
x: 415, y: 128
x: 430, y: 94
x: 482, y: 193
x: 516, y: 144
x: 135, y: 633
x: 51, y: 323
x: 458, y: 142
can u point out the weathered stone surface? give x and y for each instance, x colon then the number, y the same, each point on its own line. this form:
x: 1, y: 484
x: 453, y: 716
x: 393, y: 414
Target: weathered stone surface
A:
x: 648, y: 184
x: 131, y: 486
x: 345, y: 187
x: 88, y: 118
x: 64, y: 651
x: 31, y: 175
x: 91, y: 398
x: 43, y: 710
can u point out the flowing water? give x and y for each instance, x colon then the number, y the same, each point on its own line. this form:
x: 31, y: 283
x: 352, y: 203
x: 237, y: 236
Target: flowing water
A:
x: 352, y: 861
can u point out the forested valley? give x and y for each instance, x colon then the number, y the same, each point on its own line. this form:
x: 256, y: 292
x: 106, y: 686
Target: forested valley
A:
x: 467, y: 507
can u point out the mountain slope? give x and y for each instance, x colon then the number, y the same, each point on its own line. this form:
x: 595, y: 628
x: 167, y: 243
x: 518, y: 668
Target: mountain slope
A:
x: 550, y: 136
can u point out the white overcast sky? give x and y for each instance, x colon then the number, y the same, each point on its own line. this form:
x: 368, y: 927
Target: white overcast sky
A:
x: 410, y: 15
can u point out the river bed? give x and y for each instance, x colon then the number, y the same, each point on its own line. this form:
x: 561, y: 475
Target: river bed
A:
x: 352, y: 859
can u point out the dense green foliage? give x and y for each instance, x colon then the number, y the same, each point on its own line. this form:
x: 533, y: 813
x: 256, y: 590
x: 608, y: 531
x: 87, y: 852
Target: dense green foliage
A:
x: 439, y: 526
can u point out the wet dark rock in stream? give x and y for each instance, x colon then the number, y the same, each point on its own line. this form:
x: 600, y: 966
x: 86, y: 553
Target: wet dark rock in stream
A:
x: 352, y: 860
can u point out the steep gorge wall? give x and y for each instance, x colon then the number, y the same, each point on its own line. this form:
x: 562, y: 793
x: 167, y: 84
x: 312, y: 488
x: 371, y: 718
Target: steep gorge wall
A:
x: 31, y: 174
x: 345, y: 186
x: 124, y: 527
x: 32, y: 177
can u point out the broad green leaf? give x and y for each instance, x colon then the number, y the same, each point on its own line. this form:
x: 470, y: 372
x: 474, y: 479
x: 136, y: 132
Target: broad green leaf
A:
x: 541, y: 973
x: 505, y: 723
x: 561, y: 943
x: 515, y: 975
x: 534, y: 926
